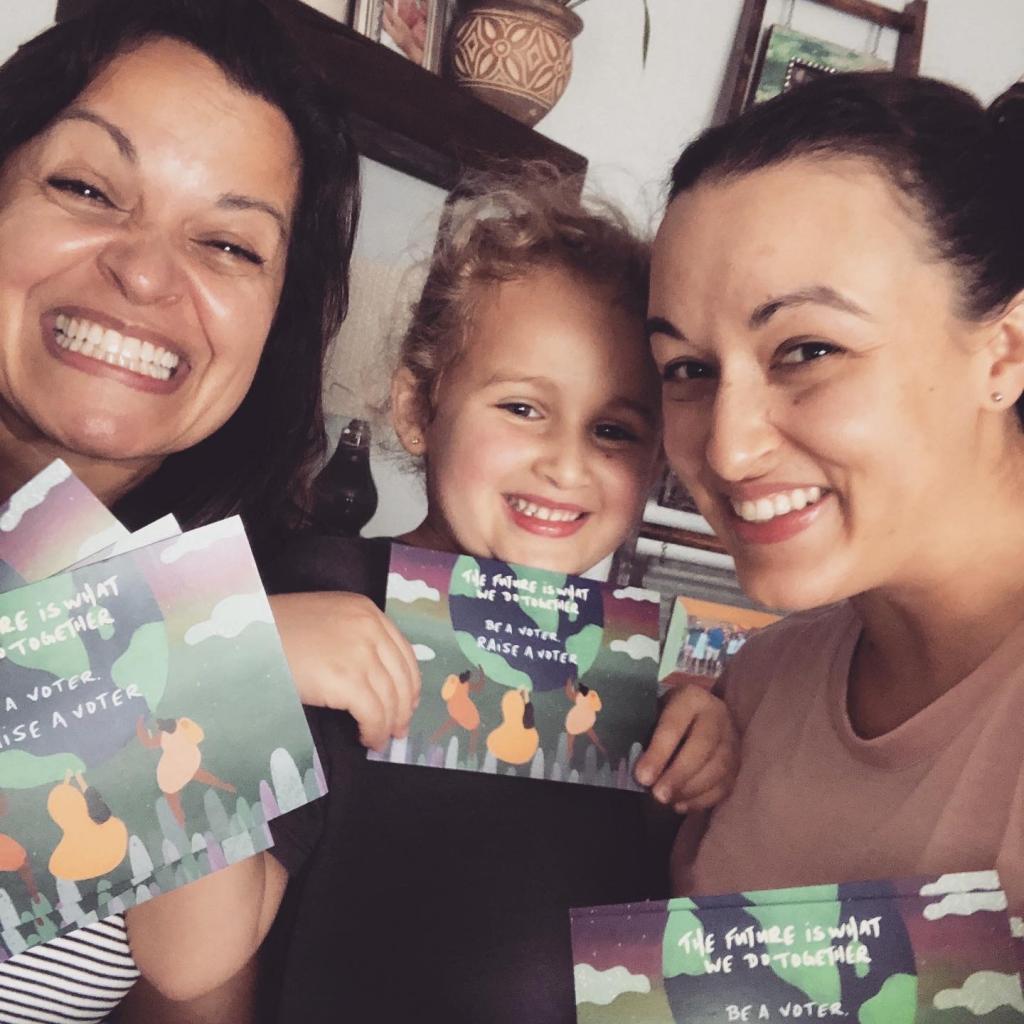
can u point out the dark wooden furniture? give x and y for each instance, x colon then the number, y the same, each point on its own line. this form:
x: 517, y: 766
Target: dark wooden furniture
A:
x: 402, y: 115
x: 909, y: 23
x: 685, y: 538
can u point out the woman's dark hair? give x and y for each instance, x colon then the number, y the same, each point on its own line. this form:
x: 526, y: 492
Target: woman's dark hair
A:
x: 958, y: 164
x: 259, y: 462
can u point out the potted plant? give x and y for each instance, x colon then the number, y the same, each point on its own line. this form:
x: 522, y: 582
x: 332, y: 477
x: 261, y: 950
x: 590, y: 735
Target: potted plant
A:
x: 516, y: 55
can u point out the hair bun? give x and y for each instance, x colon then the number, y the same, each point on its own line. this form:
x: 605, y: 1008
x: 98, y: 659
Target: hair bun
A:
x: 1007, y: 110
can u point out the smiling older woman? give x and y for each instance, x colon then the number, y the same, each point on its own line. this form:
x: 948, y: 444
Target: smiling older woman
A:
x: 838, y: 314
x: 177, y: 206
x: 175, y: 225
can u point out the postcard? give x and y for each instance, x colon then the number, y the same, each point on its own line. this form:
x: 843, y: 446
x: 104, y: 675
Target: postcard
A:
x: 158, y: 530
x: 925, y: 951
x: 51, y: 523
x: 134, y: 753
x: 525, y: 672
x: 703, y: 635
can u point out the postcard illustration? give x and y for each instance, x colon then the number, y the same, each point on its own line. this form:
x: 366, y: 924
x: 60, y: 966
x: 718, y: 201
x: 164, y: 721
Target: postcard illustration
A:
x: 134, y: 752
x: 525, y: 672
x: 927, y: 951
x: 703, y: 635
x: 51, y: 523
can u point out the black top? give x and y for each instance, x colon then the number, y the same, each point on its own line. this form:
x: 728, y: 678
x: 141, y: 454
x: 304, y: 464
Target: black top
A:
x: 435, y: 895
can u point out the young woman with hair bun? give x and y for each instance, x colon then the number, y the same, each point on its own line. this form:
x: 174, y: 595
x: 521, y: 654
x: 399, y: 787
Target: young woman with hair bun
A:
x: 837, y: 313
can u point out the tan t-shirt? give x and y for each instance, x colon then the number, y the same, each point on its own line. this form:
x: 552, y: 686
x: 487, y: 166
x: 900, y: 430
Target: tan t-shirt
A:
x: 815, y: 803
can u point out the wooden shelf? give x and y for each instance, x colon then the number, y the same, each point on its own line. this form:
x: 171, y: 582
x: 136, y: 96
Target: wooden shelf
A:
x: 402, y: 115
x: 684, y: 538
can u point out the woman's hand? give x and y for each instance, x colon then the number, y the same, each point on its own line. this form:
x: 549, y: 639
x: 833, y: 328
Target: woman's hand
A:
x: 692, y: 760
x: 345, y: 653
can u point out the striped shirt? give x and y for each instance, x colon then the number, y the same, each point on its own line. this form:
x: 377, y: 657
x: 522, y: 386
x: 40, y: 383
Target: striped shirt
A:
x: 79, y: 977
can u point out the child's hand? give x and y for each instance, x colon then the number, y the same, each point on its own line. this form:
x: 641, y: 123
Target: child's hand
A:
x: 693, y: 757
x: 345, y: 653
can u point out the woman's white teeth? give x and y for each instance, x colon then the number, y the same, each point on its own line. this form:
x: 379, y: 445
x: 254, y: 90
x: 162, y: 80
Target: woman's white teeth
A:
x: 764, y: 509
x: 534, y: 511
x: 109, y: 346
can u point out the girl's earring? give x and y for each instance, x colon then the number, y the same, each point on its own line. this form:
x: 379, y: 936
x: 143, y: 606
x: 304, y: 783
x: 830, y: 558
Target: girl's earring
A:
x: 996, y: 396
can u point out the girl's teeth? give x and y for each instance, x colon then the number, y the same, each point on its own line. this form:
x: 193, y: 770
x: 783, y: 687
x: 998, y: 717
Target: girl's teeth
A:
x: 553, y: 515
x: 764, y: 509
x: 110, y: 346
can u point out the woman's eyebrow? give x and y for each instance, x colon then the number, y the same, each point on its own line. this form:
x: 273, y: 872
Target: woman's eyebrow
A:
x: 816, y: 294
x: 229, y: 201
x: 123, y: 143
x: 659, y: 325
x: 233, y: 201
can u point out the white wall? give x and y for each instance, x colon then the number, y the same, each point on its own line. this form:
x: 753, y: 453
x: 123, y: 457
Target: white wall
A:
x: 23, y: 19
x: 396, y: 232
x: 977, y: 45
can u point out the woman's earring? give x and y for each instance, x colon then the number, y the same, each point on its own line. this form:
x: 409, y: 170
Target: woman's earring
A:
x: 996, y: 396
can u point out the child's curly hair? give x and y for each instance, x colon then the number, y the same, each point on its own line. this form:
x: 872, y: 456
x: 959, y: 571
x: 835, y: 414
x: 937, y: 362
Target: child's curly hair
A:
x: 500, y: 227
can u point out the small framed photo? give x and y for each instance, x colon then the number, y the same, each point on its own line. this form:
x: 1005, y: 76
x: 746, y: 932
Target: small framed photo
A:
x: 414, y: 28
x: 703, y: 635
x: 791, y: 58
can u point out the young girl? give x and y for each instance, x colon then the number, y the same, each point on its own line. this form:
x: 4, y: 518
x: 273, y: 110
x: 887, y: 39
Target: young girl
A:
x: 526, y: 387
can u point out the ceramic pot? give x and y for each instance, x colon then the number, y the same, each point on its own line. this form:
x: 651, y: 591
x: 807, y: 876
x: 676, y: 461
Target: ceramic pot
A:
x: 515, y: 55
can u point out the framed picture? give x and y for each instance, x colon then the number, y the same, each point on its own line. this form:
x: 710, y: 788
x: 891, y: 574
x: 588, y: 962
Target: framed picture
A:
x: 792, y: 58
x: 702, y: 637
x: 754, y: 73
x: 414, y: 28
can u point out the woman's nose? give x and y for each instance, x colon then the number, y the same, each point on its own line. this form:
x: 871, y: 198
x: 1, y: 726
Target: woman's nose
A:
x: 742, y: 441
x: 143, y: 267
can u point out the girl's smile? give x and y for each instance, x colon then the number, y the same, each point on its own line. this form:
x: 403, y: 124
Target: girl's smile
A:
x: 545, y: 518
